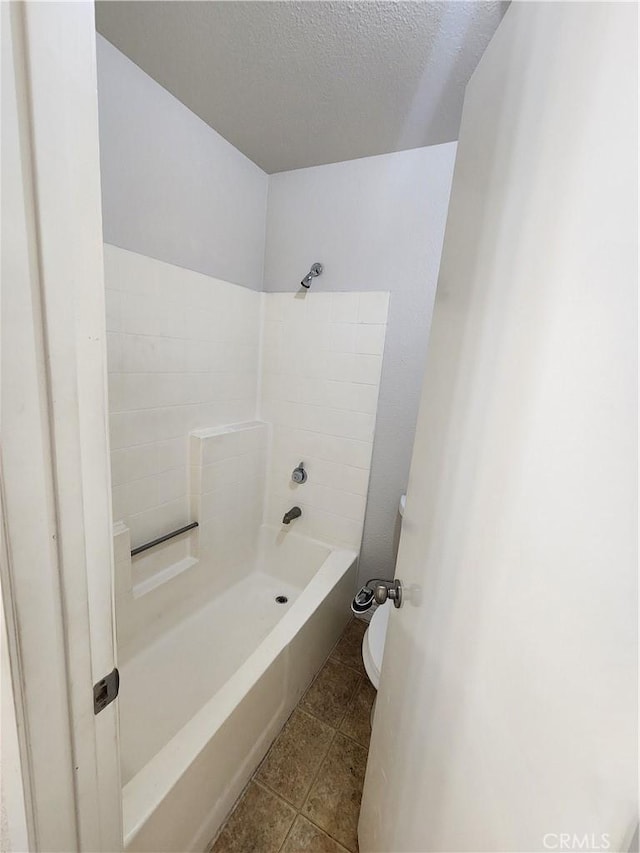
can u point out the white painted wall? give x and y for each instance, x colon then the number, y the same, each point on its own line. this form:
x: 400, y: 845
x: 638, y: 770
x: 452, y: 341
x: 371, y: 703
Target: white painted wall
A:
x: 173, y: 188
x: 376, y: 224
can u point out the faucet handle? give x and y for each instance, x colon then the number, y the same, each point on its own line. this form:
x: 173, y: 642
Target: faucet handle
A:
x: 299, y: 475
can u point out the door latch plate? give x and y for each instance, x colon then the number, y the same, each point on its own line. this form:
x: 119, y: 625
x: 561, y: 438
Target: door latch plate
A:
x: 105, y: 691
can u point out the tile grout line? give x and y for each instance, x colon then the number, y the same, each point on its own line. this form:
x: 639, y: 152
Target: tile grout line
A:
x: 324, y: 662
x: 281, y: 796
x: 317, y: 773
x: 266, y: 787
x: 306, y: 799
x: 323, y: 762
x: 289, y: 831
x: 298, y: 810
x: 342, y: 663
x: 346, y: 707
x: 335, y: 732
x: 347, y: 704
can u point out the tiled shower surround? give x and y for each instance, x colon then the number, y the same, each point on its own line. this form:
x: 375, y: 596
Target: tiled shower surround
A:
x: 187, y: 352
x: 182, y: 354
x: 321, y: 365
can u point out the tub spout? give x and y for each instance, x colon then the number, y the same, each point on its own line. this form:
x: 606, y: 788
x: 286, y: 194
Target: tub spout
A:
x: 294, y: 512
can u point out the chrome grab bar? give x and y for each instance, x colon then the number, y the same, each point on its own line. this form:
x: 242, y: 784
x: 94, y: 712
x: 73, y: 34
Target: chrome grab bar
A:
x: 164, y: 538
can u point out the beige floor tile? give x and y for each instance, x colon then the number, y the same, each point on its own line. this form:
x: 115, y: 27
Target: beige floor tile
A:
x: 349, y: 647
x: 296, y: 755
x: 304, y: 836
x: 357, y: 721
x: 331, y: 692
x: 334, y: 800
x: 259, y: 824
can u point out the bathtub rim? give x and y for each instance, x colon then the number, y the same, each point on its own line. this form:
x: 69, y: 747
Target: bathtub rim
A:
x: 145, y: 791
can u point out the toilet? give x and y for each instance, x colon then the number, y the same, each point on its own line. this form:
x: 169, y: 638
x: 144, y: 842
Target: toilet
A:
x: 373, y: 642
x: 375, y: 636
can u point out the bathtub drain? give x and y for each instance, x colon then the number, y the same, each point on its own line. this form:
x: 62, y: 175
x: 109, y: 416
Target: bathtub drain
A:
x: 281, y: 599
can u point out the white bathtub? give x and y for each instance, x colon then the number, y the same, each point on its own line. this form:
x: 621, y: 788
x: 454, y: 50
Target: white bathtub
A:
x: 201, y: 704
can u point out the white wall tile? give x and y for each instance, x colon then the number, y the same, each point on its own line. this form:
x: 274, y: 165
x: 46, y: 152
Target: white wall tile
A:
x: 365, y: 398
x: 319, y: 306
x: 115, y: 388
x: 366, y: 369
x: 182, y: 353
x: 373, y: 307
x: 370, y: 339
x: 344, y: 307
x: 227, y: 487
x: 114, y: 352
x: 151, y: 523
x: 354, y: 480
x: 341, y: 337
x: 113, y: 301
x: 320, y: 380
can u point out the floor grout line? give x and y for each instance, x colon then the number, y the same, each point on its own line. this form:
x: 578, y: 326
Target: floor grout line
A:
x: 270, y: 790
x: 322, y: 760
x: 299, y: 812
x: 317, y: 773
x: 289, y: 831
x: 342, y: 663
x: 353, y: 740
x: 335, y: 729
x: 344, y: 714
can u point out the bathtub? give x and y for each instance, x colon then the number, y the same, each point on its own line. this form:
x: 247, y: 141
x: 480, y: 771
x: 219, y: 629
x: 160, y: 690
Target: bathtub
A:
x: 200, y: 704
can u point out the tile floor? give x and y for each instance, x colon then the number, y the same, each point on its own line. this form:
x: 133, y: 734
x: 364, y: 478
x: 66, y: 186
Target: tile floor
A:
x: 306, y: 793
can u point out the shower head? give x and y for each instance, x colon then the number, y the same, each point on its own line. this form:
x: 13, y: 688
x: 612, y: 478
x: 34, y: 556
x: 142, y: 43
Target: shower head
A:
x: 315, y: 270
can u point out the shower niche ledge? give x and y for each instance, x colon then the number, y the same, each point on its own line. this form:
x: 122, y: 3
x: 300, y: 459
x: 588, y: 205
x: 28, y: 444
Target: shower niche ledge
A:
x: 144, y: 587
x: 147, y: 585
x: 140, y: 575
x: 159, y: 587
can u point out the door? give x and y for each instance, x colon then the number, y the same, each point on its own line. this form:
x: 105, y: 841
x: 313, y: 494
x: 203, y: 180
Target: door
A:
x: 56, y: 548
x: 507, y: 712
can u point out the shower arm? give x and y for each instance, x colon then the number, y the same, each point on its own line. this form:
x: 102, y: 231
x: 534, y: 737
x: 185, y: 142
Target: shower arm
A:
x: 314, y: 272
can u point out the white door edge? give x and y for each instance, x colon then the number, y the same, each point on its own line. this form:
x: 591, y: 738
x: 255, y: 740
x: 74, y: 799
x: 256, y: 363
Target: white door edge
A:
x: 57, y: 557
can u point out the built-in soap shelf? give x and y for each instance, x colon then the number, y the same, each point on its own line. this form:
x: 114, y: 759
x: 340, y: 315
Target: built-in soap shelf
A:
x: 212, y: 432
x: 230, y: 444
x: 163, y: 576
x: 137, y: 576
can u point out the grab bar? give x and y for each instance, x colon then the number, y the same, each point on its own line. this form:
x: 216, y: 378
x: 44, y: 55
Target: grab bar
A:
x: 164, y: 538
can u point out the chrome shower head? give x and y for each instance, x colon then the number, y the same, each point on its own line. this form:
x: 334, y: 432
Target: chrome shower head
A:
x: 315, y: 270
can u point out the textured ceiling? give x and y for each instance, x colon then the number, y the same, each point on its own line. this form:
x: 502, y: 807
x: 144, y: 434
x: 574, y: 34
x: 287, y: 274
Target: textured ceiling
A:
x: 295, y: 84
